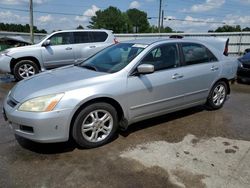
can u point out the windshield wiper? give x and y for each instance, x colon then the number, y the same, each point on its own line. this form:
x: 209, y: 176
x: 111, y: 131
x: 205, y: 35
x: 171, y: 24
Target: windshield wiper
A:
x: 90, y: 67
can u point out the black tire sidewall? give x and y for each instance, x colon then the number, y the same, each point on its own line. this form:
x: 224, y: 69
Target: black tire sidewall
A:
x: 19, y: 64
x: 210, y: 102
x: 76, y: 130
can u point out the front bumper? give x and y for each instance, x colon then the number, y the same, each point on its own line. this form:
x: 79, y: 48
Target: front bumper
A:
x: 5, y: 63
x: 45, y: 127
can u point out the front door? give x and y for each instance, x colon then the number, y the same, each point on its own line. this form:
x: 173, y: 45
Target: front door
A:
x: 156, y: 93
x: 60, y: 52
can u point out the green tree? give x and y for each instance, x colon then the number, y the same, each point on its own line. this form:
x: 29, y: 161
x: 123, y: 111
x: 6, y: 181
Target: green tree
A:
x: 110, y: 18
x: 228, y: 28
x: 80, y: 27
x: 246, y: 29
x: 138, y: 19
x: 19, y: 28
x: 154, y: 29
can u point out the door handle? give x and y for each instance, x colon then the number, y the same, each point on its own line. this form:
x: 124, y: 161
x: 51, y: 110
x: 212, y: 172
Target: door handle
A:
x: 68, y: 48
x: 177, y: 76
x: 214, y: 68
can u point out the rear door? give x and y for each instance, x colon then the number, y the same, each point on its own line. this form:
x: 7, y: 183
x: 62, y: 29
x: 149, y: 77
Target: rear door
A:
x: 200, y: 68
x: 60, y: 52
x: 88, y: 43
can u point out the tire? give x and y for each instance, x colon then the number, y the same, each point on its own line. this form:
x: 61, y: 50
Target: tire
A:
x: 24, y: 69
x: 217, y: 95
x: 89, y: 130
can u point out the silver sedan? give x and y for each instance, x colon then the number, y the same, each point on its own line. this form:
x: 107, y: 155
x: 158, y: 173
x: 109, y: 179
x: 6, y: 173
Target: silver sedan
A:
x: 123, y: 84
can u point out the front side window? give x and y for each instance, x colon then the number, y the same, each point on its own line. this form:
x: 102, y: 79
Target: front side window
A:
x: 196, y: 53
x: 114, y: 58
x: 162, y: 57
x: 60, y: 39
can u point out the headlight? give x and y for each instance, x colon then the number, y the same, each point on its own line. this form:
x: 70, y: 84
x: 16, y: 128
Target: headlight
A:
x: 41, y: 104
x: 5, y: 52
x: 240, y: 64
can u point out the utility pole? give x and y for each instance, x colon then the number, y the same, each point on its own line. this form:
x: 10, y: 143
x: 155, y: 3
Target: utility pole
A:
x: 162, y: 18
x: 159, y: 20
x: 31, y: 22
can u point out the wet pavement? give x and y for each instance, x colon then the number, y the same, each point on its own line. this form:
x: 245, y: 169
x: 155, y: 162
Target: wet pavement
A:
x: 190, y: 148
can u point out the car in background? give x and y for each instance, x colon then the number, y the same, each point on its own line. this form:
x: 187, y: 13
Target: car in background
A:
x: 55, y: 50
x: 10, y: 42
x: 243, y: 73
x: 246, y: 51
x: 120, y: 85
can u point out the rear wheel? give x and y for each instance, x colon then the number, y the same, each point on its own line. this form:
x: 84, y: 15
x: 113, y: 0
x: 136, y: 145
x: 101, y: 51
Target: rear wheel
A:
x: 95, y: 125
x: 217, y: 96
x: 24, y: 69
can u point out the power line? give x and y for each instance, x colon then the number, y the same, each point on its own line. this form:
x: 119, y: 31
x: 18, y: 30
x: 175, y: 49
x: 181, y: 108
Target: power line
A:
x: 43, y: 12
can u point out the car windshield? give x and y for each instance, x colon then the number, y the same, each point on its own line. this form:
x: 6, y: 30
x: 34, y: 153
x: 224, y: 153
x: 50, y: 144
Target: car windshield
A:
x: 113, y: 58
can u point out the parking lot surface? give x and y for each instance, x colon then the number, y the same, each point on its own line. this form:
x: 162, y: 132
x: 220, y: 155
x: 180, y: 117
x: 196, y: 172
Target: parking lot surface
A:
x: 190, y: 148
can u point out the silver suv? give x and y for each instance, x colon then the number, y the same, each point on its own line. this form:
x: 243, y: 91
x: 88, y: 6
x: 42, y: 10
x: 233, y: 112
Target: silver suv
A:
x: 120, y: 85
x: 57, y: 49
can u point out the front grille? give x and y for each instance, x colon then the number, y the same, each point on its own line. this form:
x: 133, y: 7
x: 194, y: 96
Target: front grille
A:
x: 12, y: 102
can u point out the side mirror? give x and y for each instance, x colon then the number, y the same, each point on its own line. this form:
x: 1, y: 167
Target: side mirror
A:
x: 145, y: 69
x: 46, y: 43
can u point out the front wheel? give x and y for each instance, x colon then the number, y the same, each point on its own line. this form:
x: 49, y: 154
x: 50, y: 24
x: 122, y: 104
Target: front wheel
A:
x: 24, y: 69
x: 217, y: 96
x: 95, y: 125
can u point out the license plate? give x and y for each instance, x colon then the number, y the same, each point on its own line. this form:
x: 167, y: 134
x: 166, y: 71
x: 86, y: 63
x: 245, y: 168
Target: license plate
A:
x: 4, y: 115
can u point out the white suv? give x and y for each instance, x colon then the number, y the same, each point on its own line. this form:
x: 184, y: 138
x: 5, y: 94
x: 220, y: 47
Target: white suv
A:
x: 57, y: 49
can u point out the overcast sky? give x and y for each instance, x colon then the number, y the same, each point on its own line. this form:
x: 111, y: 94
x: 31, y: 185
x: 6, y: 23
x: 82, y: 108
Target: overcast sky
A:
x: 212, y: 13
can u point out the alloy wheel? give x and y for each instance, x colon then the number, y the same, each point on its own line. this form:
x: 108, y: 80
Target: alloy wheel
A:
x: 97, y: 126
x: 26, y: 70
x: 219, y: 95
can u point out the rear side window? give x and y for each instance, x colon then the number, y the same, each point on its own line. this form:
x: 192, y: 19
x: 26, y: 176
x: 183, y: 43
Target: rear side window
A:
x: 196, y: 54
x: 98, y: 36
x: 81, y: 37
x: 60, y: 39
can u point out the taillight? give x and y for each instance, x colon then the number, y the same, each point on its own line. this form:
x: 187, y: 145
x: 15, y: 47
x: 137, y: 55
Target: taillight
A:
x: 116, y: 41
x: 226, y: 48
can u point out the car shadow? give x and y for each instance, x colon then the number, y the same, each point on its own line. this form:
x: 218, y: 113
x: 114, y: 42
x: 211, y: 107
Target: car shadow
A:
x: 64, y: 147
x: 7, y: 78
x: 48, y: 148
x: 161, y: 119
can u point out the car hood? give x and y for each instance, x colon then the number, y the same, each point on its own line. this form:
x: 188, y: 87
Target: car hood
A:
x: 55, y: 81
x: 21, y: 48
x: 244, y: 60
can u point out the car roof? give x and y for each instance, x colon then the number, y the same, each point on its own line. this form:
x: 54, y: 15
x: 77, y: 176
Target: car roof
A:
x: 84, y: 30
x: 148, y: 41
